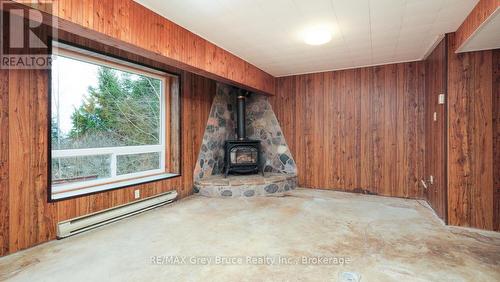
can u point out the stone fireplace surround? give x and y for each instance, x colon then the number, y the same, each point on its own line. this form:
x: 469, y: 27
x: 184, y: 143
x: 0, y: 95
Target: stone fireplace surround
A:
x: 261, y: 123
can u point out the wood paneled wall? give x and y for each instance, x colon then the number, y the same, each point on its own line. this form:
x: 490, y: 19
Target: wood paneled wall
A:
x: 4, y: 161
x: 435, y: 130
x: 470, y: 137
x: 137, y: 29
x: 26, y: 218
x: 358, y: 130
x: 496, y: 138
x: 480, y: 13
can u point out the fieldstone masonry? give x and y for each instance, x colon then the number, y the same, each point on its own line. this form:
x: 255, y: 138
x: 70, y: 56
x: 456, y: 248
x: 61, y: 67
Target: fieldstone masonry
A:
x: 220, y: 127
x: 273, y: 184
x: 261, y: 125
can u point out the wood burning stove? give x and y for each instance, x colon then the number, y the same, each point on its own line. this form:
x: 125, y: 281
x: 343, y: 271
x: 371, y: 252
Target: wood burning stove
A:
x: 242, y: 155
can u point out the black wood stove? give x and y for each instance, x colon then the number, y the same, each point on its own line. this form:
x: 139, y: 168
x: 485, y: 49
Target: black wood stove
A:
x: 242, y: 155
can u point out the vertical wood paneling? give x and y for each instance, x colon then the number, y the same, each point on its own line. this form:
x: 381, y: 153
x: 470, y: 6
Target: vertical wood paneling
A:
x: 314, y: 98
x: 436, y: 144
x: 27, y: 218
x: 400, y: 131
x: 19, y: 146
x: 301, y: 126
x: 124, y: 22
x: 377, y: 128
x: 366, y: 133
x: 414, y: 134
x: 4, y: 161
x: 496, y: 138
x: 309, y: 131
x: 470, y: 138
x: 197, y: 100
x: 341, y: 131
x: 352, y: 129
x: 356, y: 130
x: 390, y: 135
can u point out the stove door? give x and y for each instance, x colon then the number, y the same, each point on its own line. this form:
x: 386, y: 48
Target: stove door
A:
x: 243, y: 155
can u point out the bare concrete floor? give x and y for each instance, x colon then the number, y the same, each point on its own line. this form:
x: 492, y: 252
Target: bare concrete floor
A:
x: 384, y: 239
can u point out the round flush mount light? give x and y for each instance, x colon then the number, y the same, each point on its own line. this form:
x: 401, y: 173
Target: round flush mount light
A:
x: 317, y: 36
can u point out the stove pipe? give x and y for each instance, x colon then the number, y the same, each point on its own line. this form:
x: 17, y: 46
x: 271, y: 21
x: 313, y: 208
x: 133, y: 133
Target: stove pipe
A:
x: 240, y: 118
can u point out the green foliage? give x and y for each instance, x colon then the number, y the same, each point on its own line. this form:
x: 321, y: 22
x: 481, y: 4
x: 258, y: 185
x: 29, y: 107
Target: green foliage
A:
x: 122, y: 110
x: 54, y: 131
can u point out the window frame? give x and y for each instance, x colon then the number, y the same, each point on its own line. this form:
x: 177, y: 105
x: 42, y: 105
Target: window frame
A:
x: 76, y: 189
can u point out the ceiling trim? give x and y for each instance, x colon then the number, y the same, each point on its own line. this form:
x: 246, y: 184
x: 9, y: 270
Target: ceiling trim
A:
x: 433, y: 46
x: 391, y: 32
x: 351, y: 68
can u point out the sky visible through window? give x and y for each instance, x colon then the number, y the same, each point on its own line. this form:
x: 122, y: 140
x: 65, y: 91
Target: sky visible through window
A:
x: 103, y: 108
x: 71, y: 80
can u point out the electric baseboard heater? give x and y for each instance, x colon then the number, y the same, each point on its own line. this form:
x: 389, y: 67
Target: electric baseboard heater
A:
x: 90, y: 221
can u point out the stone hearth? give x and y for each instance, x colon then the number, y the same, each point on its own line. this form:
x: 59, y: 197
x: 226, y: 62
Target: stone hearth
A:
x: 261, y: 124
x: 271, y: 184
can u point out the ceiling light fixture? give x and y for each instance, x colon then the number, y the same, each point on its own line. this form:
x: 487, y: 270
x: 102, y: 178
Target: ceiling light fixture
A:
x: 317, y: 36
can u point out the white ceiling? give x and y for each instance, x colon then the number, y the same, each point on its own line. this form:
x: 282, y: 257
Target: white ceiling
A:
x: 267, y: 33
x: 486, y: 37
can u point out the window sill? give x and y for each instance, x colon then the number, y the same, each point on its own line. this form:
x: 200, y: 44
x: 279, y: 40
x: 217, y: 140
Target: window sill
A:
x: 61, y: 195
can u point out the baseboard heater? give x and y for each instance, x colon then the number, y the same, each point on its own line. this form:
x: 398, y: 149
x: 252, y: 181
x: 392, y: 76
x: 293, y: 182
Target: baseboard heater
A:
x: 83, y: 223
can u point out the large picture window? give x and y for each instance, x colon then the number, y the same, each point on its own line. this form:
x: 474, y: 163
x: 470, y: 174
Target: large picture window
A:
x: 111, y: 123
